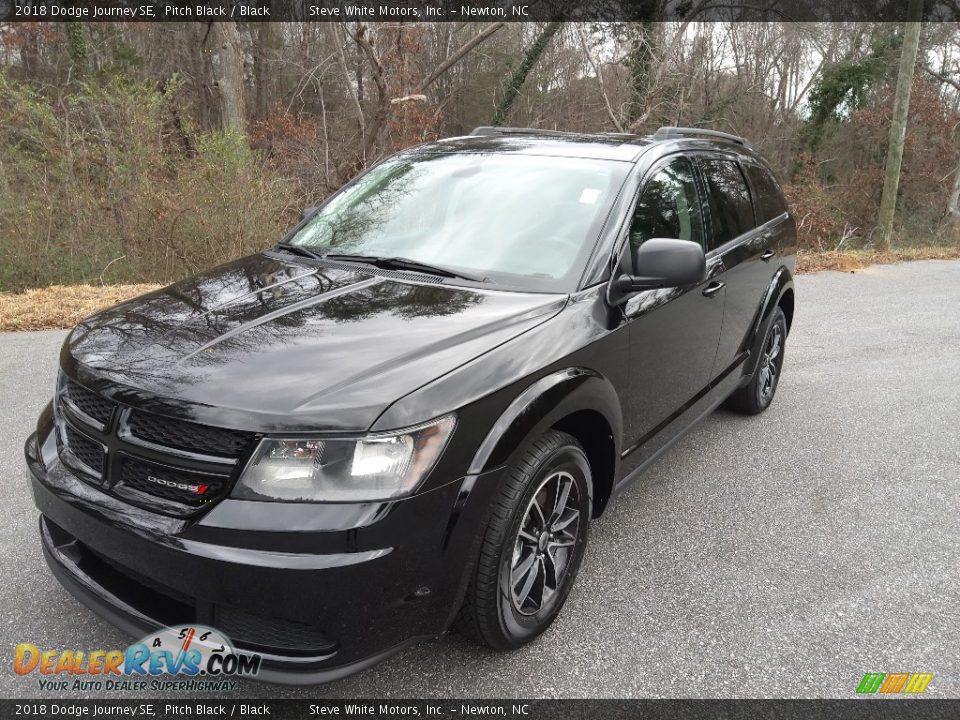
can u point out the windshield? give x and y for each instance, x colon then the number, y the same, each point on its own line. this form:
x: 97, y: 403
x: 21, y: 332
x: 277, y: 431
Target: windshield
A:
x: 524, y: 221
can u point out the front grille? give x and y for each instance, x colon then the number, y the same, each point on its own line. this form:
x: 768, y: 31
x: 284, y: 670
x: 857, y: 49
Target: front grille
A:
x: 87, y: 451
x: 273, y: 633
x: 177, y: 484
x: 184, y: 435
x: 146, y: 458
x: 90, y: 404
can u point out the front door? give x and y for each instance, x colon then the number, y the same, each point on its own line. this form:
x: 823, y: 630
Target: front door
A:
x: 673, y: 331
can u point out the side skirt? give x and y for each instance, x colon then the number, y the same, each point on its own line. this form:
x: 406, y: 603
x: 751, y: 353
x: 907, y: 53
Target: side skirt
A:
x: 645, y: 452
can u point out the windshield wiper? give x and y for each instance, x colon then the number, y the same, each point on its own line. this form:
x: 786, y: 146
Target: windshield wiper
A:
x: 401, y: 263
x: 298, y: 250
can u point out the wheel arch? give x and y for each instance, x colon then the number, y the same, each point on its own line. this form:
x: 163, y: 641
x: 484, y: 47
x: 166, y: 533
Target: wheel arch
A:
x: 786, y: 304
x: 596, y: 436
x: 575, y: 400
x: 780, y: 293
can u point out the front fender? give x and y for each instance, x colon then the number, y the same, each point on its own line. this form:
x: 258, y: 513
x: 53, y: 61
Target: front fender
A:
x: 543, y: 404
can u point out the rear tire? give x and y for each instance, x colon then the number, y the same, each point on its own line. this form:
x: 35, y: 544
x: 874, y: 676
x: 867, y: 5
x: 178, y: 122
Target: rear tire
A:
x: 532, y: 546
x: 756, y: 396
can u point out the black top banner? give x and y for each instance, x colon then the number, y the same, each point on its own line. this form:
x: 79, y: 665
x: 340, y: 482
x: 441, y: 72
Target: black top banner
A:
x: 472, y: 10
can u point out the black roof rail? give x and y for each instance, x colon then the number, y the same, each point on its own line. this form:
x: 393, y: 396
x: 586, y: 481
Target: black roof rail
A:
x: 499, y: 130
x: 670, y: 133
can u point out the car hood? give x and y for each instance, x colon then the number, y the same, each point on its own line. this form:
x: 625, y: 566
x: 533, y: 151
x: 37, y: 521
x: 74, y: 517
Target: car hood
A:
x: 269, y: 344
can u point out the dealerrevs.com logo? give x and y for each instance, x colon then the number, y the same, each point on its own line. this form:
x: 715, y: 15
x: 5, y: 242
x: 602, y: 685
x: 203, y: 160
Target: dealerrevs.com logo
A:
x: 197, y: 658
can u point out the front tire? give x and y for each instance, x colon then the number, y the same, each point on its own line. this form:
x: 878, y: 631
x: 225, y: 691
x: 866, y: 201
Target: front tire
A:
x: 532, y: 546
x: 756, y: 396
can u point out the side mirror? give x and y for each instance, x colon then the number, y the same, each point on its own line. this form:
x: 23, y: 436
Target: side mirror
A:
x: 664, y: 263
x: 307, y: 212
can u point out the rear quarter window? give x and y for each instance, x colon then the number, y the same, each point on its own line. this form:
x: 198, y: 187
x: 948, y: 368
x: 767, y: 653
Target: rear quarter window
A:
x: 731, y: 212
x: 768, y: 199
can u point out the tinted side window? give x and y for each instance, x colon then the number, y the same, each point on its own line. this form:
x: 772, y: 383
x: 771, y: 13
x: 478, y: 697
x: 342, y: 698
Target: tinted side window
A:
x: 730, y: 209
x: 669, y: 207
x: 767, y: 197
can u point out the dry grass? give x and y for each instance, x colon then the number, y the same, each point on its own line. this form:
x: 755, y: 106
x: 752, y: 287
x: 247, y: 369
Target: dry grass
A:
x: 853, y: 260
x: 60, y: 306
x: 63, y: 306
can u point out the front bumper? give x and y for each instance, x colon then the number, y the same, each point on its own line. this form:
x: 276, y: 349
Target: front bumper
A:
x: 326, y: 596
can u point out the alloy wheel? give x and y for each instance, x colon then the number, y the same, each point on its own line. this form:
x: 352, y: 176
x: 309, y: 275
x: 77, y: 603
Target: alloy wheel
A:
x: 770, y: 363
x: 545, y: 543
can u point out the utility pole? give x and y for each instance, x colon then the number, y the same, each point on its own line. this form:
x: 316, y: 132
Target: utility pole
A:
x: 898, y: 125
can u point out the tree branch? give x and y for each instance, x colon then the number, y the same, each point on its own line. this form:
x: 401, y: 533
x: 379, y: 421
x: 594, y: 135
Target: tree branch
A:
x: 380, y: 115
x: 598, y: 70
x: 459, y: 55
x: 511, y: 88
x: 942, y: 78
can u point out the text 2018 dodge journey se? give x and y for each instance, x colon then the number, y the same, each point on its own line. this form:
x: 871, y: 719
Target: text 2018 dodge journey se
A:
x: 405, y: 415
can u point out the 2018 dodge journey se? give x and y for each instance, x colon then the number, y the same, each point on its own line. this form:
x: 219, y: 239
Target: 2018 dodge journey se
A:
x: 405, y: 415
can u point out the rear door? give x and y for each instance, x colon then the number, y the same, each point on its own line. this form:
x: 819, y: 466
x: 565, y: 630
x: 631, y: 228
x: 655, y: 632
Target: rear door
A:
x: 743, y: 249
x: 771, y: 210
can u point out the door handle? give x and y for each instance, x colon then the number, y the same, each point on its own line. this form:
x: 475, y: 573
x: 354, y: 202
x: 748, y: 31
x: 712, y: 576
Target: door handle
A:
x: 713, y: 288
x: 767, y: 255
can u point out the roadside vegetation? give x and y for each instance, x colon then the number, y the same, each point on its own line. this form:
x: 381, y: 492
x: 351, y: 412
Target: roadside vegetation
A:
x: 811, y: 261
x: 60, y: 306
x: 137, y: 153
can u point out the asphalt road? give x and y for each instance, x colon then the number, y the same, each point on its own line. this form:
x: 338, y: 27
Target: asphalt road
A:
x: 777, y: 556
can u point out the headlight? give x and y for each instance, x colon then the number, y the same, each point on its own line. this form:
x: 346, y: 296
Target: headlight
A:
x: 374, y: 467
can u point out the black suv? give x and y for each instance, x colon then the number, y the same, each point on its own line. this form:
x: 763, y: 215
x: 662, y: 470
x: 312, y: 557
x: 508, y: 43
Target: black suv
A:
x: 405, y: 415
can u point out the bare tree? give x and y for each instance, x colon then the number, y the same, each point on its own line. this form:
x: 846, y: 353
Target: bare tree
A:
x: 266, y: 40
x: 518, y: 77
x: 227, y: 66
x: 953, y: 201
x: 374, y: 125
x: 459, y: 54
x: 898, y: 125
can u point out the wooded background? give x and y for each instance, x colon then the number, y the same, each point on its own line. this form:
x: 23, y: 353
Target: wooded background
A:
x: 146, y: 152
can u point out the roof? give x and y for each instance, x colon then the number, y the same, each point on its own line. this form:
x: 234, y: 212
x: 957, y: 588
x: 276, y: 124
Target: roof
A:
x: 601, y: 146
